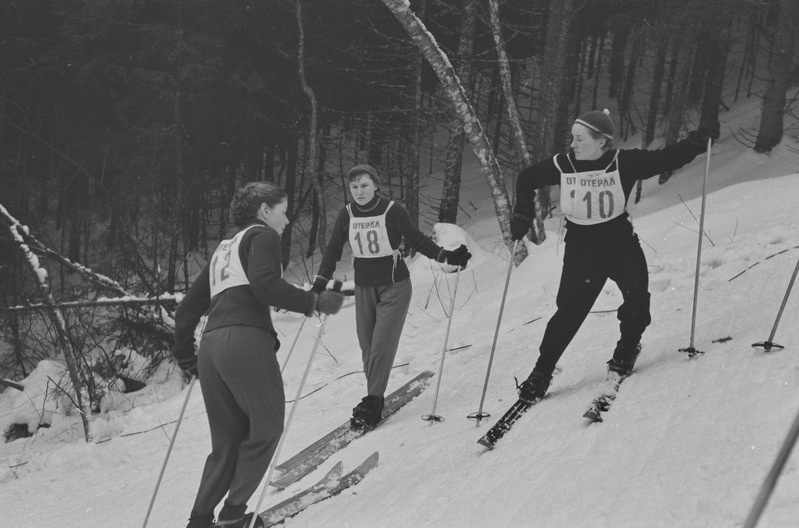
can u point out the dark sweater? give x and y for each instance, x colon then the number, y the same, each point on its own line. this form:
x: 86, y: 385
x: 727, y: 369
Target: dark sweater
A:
x: 634, y: 165
x: 261, y: 259
x: 376, y: 271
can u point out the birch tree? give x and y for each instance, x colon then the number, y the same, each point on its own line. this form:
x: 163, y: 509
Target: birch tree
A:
x: 457, y: 95
x: 519, y: 141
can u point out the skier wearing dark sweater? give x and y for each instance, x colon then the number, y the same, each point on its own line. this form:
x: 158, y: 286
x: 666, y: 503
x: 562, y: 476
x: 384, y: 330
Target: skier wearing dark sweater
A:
x: 374, y: 227
x: 595, y: 184
x: 238, y: 370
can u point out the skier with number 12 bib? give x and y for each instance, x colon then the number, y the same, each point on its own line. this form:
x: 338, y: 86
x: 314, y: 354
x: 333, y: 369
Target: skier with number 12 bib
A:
x: 236, y: 363
x: 374, y: 227
x: 595, y: 183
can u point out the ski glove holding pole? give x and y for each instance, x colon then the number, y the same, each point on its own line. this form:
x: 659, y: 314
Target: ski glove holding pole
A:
x: 320, y: 284
x: 329, y: 302
x: 186, y: 360
x: 705, y: 132
x: 456, y: 257
x: 519, y: 226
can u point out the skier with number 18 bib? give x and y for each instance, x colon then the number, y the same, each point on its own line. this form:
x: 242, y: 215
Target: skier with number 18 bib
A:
x: 374, y: 227
x: 595, y: 184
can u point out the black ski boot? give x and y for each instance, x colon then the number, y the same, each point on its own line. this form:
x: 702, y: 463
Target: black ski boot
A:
x: 624, y: 358
x: 534, y: 387
x: 367, y: 414
x: 205, y: 520
x: 243, y: 522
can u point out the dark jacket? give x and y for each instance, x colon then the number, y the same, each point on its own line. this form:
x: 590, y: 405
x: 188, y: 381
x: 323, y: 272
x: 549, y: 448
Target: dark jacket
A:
x: 383, y: 270
x: 633, y: 164
x: 249, y: 305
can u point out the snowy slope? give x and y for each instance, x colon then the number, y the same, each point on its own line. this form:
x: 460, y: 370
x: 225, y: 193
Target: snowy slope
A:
x: 687, y: 443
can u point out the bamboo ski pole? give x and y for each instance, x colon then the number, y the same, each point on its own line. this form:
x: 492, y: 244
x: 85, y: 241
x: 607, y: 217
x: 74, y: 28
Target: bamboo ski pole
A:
x: 433, y: 417
x: 691, y: 351
x: 771, y: 479
x: 169, y: 450
x: 288, y: 422
x: 479, y: 415
x: 769, y: 344
x: 293, y: 343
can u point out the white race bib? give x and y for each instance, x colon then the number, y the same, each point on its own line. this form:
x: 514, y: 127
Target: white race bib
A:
x: 368, y: 235
x: 226, y: 270
x: 592, y: 197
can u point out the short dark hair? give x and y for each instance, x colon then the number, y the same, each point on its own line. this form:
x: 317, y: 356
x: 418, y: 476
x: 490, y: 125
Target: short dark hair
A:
x: 248, y: 199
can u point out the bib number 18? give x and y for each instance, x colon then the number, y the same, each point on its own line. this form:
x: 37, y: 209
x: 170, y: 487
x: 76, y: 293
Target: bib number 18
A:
x: 372, y: 245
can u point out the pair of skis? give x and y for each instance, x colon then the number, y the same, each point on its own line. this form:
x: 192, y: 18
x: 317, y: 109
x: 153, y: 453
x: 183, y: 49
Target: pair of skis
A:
x: 334, y: 482
x: 599, y: 405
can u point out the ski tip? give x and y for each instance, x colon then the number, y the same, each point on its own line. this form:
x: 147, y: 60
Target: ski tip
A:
x: 370, y: 463
x: 593, y: 416
x: 486, y: 443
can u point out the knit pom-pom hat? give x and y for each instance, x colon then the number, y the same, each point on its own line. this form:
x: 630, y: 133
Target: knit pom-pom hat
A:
x: 364, y: 169
x: 599, y: 122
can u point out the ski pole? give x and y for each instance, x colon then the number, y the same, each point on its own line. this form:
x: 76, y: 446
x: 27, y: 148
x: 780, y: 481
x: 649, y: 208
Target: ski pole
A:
x: 769, y: 344
x: 692, y: 352
x: 337, y: 285
x: 169, y: 450
x: 288, y: 421
x: 771, y: 479
x: 293, y: 343
x: 479, y: 415
x: 433, y: 417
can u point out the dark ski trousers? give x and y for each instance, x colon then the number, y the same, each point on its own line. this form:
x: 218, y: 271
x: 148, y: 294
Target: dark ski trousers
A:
x: 587, y: 264
x: 243, y: 392
x: 380, y: 313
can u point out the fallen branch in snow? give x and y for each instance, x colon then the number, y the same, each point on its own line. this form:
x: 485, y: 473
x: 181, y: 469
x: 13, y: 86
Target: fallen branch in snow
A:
x: 697, y: 221
x: 120, y: 301
x: 759, y: 261
x: 82, y: 383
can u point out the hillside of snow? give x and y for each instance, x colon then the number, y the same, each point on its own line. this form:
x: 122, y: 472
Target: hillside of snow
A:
x: 687, y: 443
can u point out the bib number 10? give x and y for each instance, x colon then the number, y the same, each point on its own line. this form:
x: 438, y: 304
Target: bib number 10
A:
x: 604, y: 200
x: 372, y: 245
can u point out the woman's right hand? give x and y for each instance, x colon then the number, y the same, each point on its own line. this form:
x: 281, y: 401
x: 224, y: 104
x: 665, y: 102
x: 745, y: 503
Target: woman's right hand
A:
x: 329, y: 302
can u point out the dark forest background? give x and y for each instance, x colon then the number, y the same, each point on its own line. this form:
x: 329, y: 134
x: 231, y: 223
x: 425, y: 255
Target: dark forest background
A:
x: 126, y: 125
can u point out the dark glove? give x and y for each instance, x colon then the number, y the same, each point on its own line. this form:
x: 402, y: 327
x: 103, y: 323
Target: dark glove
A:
x: 519, y: 226
x: 456, y: 257
x: 703, y: 133
x: 329, y: 302
x: 188, y: 364
x: 319, y: 284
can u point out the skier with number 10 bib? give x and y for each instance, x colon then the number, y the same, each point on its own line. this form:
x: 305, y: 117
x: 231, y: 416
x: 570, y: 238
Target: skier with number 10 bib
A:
x: 595, y: 184
x: 374, y: 227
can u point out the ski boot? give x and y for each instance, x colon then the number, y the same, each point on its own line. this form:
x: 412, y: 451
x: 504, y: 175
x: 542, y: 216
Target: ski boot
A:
x: 368, y: 413
x: 534, y: 387
x: 205, y: 520
x: 623, y: 359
